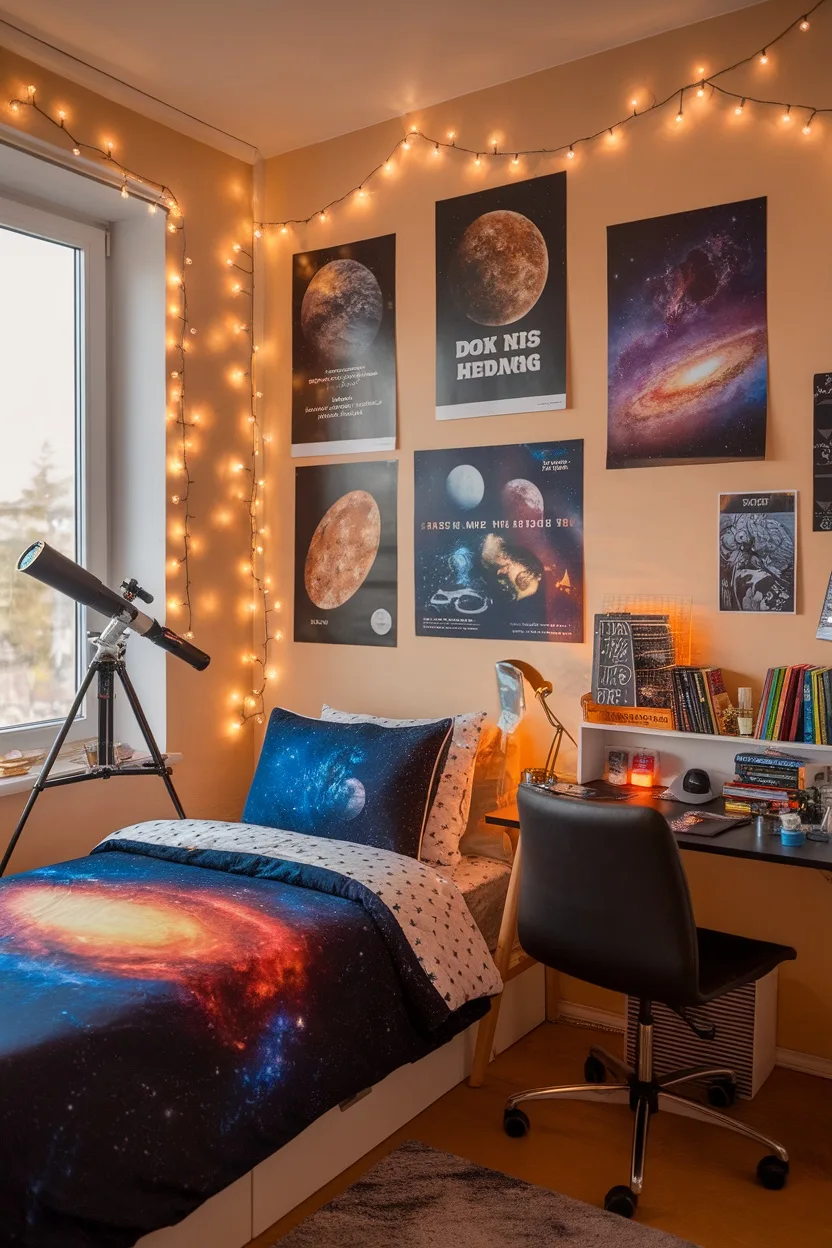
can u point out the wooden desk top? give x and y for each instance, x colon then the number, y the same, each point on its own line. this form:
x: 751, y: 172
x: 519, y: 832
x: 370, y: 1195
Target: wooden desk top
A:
x: 741, y: 842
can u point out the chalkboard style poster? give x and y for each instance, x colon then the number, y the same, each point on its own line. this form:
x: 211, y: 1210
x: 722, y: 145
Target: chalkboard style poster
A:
x: 757, y: 549
x: 822, y: 454
x: 344, y: 348
x: 824, y: 632
x: 501, y: 300
x: 346, y: 553
x: 632, y: 660
x: 499, y: 542
x: 687, y: 337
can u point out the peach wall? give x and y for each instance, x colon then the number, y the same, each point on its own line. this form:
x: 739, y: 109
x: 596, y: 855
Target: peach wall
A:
x: 214, y: 192
x: 664, y: 520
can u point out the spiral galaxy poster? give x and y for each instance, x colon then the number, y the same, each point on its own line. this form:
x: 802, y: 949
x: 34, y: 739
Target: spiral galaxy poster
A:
x: 346, y: 553
x: 344, y: 348
x: 687, y: 337
x: 501, y: 300
x: 499, y: 542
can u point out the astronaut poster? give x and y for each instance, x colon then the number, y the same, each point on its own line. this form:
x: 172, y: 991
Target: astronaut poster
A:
x: 344, y: 348
x: 501, y: 300
x: 499, y: 542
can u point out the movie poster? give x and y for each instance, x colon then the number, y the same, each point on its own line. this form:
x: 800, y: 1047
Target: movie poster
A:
x: 501, y: 300
x: 687, y: 337
x: 499, y: 542
x: 822, y: 454
x: 344, y: 348
x: 757, y: 548
x: 346, y: 553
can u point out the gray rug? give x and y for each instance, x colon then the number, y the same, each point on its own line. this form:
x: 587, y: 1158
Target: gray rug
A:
x: 420, y: 1198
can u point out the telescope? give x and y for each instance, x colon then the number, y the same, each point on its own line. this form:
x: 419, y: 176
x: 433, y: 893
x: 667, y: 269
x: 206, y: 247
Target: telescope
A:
x: 51, y: 568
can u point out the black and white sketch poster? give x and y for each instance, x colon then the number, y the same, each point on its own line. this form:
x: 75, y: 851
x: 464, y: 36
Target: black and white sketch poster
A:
x: 346, y: 553
x: 501, y: 300
x: 822, y: 454
x: 757, y: 549
x: 344, y: 348
x: 499, y: 542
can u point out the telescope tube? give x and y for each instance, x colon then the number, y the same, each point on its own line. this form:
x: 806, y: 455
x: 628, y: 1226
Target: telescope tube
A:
x: 47, y: 565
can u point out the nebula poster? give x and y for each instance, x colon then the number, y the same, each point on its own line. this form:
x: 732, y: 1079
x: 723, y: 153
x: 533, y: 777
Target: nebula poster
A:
x: 344, y: 348
x: 822, y: 454
x: 499, y: 542
x: 757, y: 552
x: 346, y: 553
x: 687, y: 338
x: 501, y: 300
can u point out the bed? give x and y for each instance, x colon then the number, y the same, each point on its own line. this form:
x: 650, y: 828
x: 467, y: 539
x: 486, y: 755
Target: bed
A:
x: 191, y: 996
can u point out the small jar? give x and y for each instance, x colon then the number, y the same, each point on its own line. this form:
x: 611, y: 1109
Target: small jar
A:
x: 791, y: 831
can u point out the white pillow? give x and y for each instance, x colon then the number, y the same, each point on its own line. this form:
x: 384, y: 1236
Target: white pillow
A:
x: 449, y: 810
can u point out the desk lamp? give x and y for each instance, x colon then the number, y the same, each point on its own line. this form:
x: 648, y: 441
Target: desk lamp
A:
x: 542, y: 691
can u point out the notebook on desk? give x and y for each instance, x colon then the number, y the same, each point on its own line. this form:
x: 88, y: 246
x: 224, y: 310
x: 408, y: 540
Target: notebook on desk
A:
x: 704, y: 823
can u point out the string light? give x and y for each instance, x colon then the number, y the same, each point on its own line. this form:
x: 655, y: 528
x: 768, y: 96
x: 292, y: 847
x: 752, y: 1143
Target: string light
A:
x: 807, y: 129
x: 703, y: 84
x: 787, y: 116
x: 739, y: 108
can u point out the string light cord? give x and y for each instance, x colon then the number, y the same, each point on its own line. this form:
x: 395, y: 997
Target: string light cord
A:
x: 492, y: 151
x: 182, y: 562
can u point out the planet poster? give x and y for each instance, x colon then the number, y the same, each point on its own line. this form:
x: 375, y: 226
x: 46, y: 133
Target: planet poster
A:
x: 344, y: 348
x: 687, y: 338
x: 822, y: 454
x: 501, y: 300
x: 346, y: 579
x: 757, y: 552
x: 499, y: 542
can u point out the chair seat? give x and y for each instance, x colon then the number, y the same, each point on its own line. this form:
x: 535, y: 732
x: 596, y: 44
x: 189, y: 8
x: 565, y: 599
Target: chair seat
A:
x: 727, y: 962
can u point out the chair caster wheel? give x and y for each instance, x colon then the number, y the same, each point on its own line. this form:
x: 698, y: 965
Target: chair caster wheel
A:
x: 594, y: 1070
x: 772, y: 1172
x: 621, y: 1200
x: 722, y: 1093
x: 516, y: 1123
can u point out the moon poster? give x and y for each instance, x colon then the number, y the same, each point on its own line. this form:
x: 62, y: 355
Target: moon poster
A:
x: 344, y: 348
x: 757, y: 546
x: 501, y: 300
x: 346, y: 553
x: 499, y: 542
x: 687, y: 338
x: 822, y: 454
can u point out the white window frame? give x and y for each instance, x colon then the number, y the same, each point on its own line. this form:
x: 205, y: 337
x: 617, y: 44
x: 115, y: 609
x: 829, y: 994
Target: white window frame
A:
x: 90, y: 242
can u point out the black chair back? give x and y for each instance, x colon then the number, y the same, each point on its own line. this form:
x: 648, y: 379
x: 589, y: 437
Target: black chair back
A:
x: 603, y: 896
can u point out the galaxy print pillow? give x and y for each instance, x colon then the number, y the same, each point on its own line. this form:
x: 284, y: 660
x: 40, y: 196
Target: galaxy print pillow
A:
x: 352, y: 782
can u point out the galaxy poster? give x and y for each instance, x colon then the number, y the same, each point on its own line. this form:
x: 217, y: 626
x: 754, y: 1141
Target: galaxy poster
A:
x: 687, y: 337
x: 344, y: 348
x: 499, y: 542
x: 757, y: 552
x: 822, y: 454
x: 501, y: 300
x: 346, y: 553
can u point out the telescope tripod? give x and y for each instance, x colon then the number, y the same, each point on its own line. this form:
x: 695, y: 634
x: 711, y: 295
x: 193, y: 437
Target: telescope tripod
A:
x: 107, y: 664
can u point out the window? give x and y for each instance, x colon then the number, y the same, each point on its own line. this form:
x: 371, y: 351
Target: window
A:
x: 53, y: 455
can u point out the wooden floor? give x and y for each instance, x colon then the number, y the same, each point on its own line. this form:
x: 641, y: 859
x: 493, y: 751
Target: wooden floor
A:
x: 699, y: 1180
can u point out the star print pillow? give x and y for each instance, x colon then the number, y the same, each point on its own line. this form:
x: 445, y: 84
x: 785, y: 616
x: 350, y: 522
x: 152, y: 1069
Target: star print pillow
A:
x: 448, y: 816
x: 362, y: 783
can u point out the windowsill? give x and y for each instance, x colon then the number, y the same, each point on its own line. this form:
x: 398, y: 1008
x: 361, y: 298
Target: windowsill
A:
x: 10, y: 785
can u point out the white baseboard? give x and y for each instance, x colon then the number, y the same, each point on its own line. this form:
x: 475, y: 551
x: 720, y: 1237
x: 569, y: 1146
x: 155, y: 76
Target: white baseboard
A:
x: 608, y: 1020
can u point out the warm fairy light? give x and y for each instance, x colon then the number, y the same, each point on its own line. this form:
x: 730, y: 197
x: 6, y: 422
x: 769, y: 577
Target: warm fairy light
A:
x: 238, y: 467
x: 173, y: 606
x: 477, y: 160
x: 174, y: 498
x: 31, y: 90
x: 700, y: 90
x: 634, y: 104
x: 787, y: 116
x: 516, y: 160
x: 188, y: 260
x: 235, y: 247
x: 76, y: 151
x: 229, y: 262
x: 323, y: 215
x: 405, y: 145
x: 804, y: 24
x: 807, y: 129
x: 739, y: 108
x: 284, y: 229
x: 571, y: 153
x: 14, y: 106
x: 764, y: 57
x: 125, y: 194
x: 62, y: 114
x: 236, y: 288
x: 151, y: 208
x: 610, y: 136
x: 258, y: 233
x: 451, y: 135
x: 388, y: 168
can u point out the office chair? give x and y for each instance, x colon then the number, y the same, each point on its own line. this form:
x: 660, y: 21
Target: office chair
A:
x: 603, y: 897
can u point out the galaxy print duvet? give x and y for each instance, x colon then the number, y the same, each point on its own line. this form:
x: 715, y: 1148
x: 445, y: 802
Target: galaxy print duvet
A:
x: 192, y: 995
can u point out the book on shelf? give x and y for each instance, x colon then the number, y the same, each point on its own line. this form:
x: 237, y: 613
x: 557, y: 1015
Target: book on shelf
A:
x: 699, y: 699
x: 796, y: 705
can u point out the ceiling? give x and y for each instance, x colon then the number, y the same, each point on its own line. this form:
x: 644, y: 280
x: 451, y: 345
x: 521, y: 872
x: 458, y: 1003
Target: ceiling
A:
x: 283, y: 75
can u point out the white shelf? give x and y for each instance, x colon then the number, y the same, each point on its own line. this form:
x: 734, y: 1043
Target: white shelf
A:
x: 786, y: 747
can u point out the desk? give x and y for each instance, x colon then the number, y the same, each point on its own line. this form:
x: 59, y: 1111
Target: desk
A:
x: 741, y: 842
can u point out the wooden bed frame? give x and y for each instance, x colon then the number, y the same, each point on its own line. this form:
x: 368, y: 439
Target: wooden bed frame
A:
x: 247, y: 1208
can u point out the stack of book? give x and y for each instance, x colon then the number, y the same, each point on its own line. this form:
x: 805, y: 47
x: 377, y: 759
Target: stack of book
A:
x: 765, y: 784
x: 796, y: 705
x: 699, y: 699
